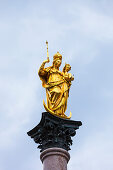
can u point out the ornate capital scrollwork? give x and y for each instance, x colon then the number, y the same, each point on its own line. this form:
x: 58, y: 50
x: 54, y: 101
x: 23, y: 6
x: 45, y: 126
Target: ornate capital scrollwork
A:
x: 53, y: 131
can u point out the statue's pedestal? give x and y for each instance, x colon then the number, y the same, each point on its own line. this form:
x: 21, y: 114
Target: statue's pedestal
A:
x: 53, y: 136
x: 54, y: 159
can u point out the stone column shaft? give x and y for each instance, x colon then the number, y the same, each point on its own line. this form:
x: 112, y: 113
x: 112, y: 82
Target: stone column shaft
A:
x: 55, y: 159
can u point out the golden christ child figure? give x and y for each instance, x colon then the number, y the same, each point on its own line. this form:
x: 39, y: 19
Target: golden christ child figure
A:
x: 57, y: 85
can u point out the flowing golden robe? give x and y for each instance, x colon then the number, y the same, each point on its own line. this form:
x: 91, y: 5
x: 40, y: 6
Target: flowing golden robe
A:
x: 57, y: 89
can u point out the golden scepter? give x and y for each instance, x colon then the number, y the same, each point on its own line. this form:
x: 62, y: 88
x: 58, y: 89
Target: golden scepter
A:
x: 47, y: 51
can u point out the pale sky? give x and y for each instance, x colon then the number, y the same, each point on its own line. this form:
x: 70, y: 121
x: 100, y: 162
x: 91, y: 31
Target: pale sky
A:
x: 82, y: 31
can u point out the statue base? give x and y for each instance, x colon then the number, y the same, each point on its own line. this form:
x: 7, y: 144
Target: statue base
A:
x: 54, y: 132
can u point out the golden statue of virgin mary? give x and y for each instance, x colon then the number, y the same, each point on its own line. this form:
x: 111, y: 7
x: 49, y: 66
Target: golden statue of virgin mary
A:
x: 57, y: 84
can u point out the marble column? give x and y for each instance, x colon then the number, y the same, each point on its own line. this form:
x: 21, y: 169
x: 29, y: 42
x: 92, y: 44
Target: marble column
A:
x: 55, y: 159
x: 53, y: 135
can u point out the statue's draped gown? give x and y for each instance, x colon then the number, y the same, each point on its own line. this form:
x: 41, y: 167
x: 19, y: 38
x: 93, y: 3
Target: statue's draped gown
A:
x: 57, y: 89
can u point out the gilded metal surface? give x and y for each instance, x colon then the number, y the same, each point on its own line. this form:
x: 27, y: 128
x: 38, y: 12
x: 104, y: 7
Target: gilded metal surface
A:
x: 57, y: 85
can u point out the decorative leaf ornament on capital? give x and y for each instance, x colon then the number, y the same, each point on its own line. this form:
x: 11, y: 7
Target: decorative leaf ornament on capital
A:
x: 57, y: 84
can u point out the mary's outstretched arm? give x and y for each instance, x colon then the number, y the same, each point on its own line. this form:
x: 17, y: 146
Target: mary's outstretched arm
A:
x: 42, y: 71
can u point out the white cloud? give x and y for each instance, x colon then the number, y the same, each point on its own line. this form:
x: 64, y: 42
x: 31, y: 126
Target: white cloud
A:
x: 96, y: 153
x: 75, y: 29
x: 89, y: 21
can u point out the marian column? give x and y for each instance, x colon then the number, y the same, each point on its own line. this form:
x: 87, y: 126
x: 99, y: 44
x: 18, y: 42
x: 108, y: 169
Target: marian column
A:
x: 54, y: 132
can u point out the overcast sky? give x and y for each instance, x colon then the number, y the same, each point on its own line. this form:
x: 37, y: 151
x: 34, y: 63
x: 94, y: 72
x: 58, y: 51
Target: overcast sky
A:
x: 82, y: 31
